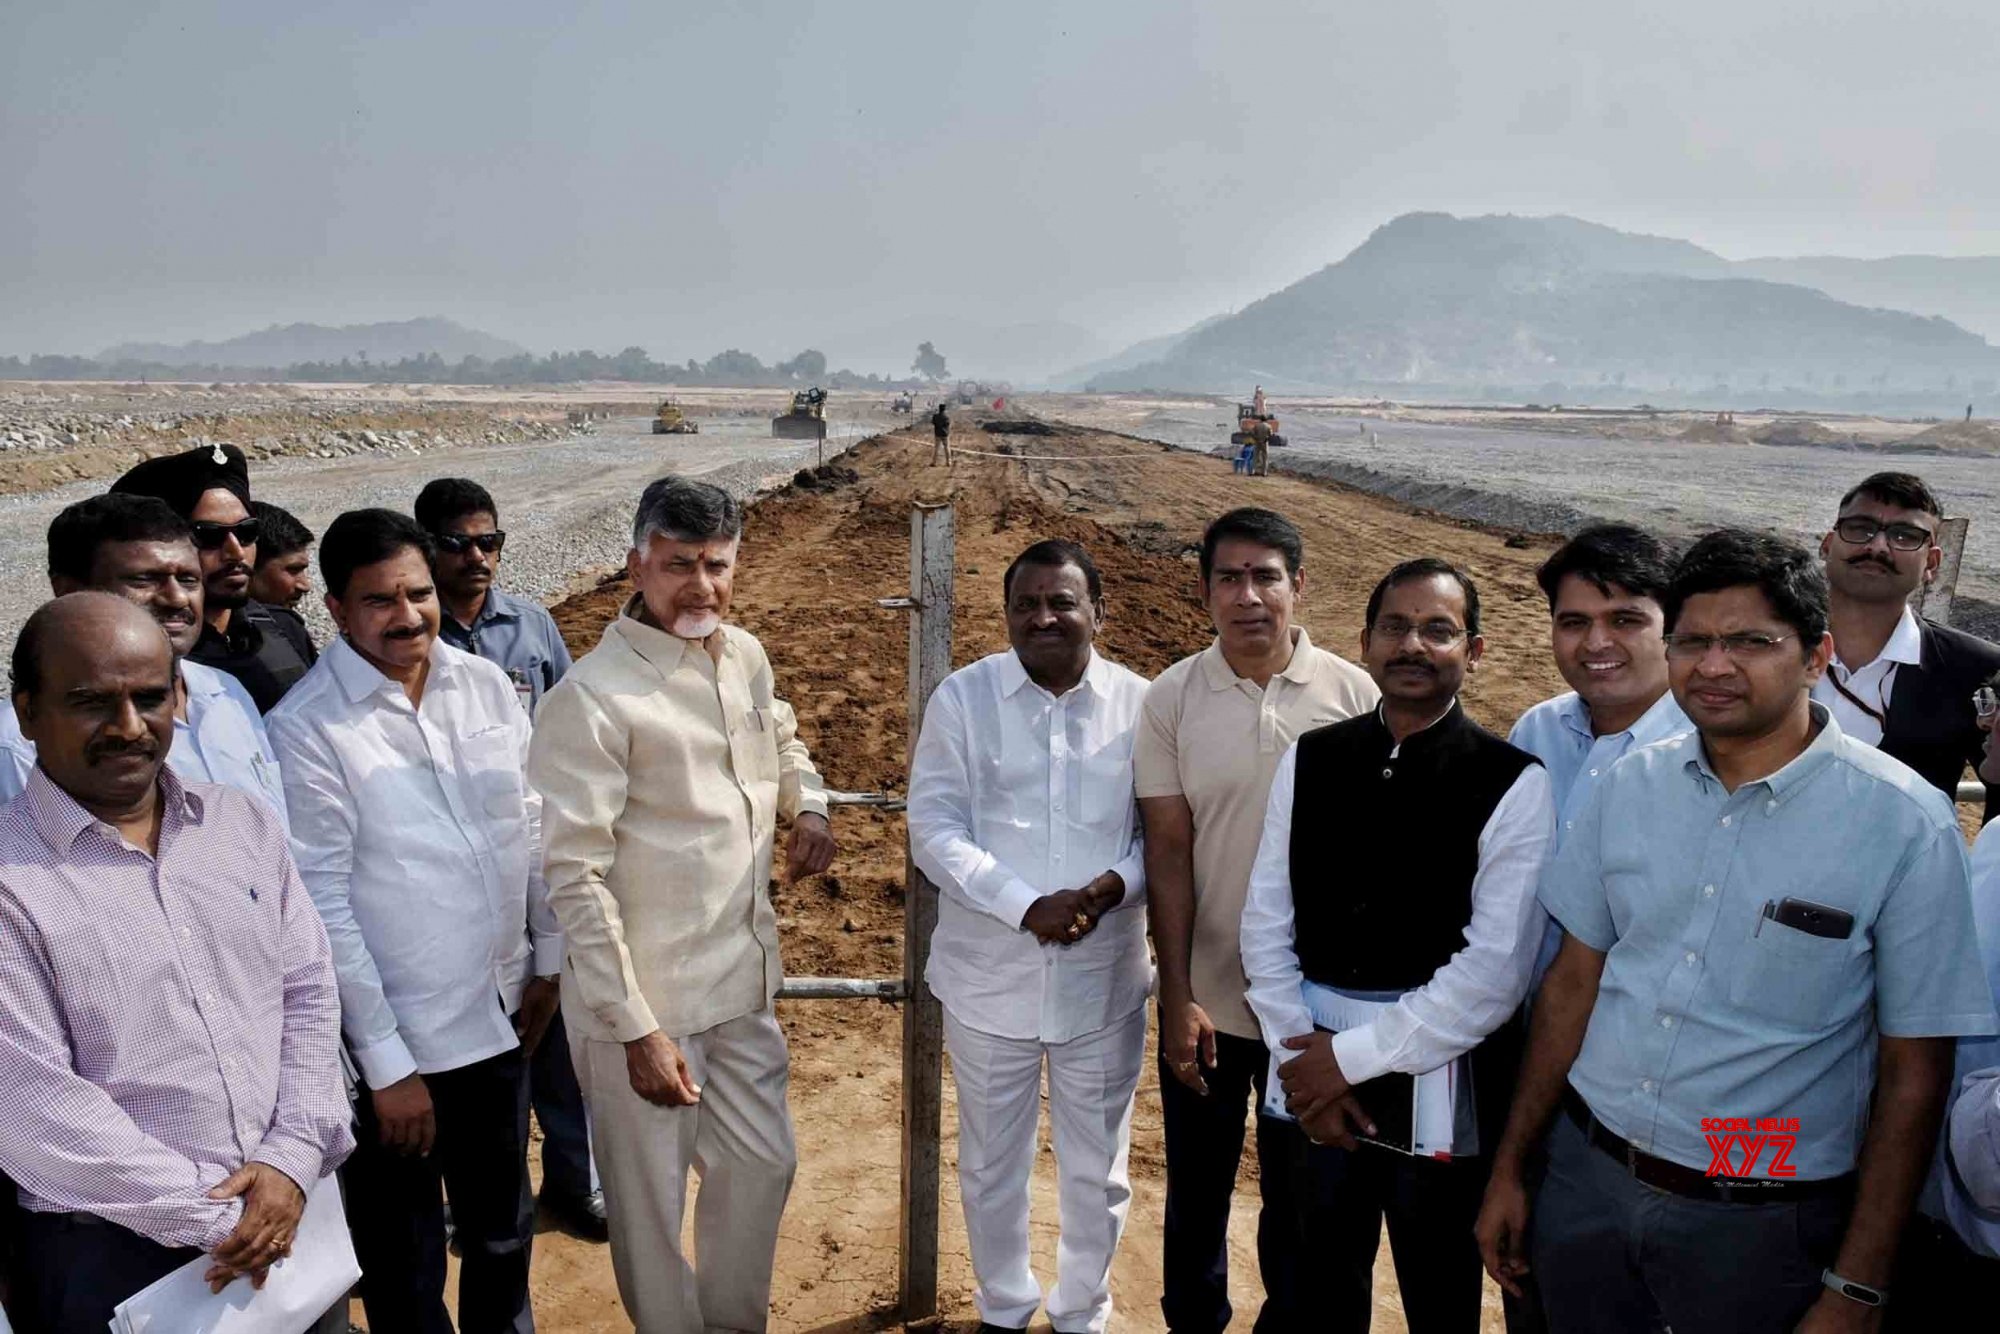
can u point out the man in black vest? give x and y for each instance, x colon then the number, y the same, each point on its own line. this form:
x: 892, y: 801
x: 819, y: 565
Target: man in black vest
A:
x: 1897, y: 681
x: 1390, y: 933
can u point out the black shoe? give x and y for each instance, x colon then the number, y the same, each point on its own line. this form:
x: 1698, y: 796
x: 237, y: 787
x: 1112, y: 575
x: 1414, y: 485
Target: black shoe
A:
x: 579, y: 1216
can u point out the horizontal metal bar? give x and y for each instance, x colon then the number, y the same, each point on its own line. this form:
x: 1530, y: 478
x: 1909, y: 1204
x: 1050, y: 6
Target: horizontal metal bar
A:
x: 842, y: 988
x: 888, y: 801
x: 1972, y: 792
x: 899, y: 604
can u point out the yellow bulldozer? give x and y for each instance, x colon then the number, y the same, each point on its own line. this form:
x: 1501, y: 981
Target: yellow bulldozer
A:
x: 670, y: 420
x: 806, y: 419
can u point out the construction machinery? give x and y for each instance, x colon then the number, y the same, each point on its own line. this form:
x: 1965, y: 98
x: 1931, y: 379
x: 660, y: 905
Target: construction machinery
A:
x: 1254, y: 427
x: 806, y: 419
x: 670, y: 420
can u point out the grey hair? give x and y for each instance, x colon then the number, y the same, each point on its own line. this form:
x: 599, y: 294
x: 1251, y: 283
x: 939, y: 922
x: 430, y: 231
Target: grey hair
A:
x: 685, y: 511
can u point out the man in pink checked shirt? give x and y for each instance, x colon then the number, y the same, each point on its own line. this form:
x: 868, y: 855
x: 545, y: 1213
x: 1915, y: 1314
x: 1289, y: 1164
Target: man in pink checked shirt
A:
x: 169, y: 1022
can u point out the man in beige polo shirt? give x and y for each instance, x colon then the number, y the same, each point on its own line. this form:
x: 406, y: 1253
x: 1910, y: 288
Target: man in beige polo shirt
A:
x: 663, y: 759
x: 1214, y: 728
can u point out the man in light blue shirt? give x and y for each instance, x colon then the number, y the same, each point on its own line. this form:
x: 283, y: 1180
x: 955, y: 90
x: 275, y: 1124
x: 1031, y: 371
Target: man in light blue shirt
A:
x: 138, y: 548
x: 1768, y: 949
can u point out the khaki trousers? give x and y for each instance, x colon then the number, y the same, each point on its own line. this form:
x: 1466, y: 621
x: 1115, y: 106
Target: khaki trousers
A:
x: 738, y: 1137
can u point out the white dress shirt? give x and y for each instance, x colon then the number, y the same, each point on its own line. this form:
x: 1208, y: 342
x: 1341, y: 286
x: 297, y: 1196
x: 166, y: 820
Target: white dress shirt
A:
x: 419, y: 839
x: 221, y: 740
x: 1872, y: 684
x: 1966, y: 1190
x: 1016, y: 793
x: 1473, y: 994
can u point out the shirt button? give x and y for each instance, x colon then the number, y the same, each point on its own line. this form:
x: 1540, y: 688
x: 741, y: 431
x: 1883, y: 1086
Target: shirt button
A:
x: 1770, y: 806
x: 1569, y: 824
x: 1725, y: 822
x: 1388, y: 773
x: 1708, y: 891
x: 1646, y: 1085
x: 1666, y: 1021
x: 1691, y: 956
x: 1593, y: 773
x: 187, y: 933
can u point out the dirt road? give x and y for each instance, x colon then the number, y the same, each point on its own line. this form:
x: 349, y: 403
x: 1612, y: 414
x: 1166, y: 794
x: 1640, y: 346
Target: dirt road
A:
x: 813, y: 565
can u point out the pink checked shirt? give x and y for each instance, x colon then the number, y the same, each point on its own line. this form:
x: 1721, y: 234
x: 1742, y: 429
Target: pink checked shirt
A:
x: 161, y: 1019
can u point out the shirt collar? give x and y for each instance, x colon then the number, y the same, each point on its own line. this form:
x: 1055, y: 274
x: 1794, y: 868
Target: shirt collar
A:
x: 200, y: 680
x: 1215, y: 668
x: 359, y: 678
x: 1662, y: 720
x: 497, y: 606
x: 60, y: 820
x: 1819, y: 753
x: 1013, y: 675
x: 1906, y: 641
x: 664, y: 651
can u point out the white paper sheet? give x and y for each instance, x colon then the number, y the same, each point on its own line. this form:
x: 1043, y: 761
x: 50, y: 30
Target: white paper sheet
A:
x: 1435, y: 1114
x: 298, y: 1292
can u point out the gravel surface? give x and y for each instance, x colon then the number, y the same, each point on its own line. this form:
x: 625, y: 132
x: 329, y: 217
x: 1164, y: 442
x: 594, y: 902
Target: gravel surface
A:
x: 566, y: 504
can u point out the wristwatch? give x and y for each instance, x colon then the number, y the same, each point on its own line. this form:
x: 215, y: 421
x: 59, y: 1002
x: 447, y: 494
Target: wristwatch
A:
x: 1853, y: 1291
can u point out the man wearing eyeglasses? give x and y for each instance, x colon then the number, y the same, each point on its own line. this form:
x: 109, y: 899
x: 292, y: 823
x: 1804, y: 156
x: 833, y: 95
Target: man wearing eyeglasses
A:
x: 517, y: 634
x: 210, y: 488
x: 1740, y: 1056
x: 1898, y: 681
x: 1389, y: 936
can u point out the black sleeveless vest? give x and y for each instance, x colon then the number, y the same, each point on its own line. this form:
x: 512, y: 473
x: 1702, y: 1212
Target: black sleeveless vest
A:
x: 1384, y: 851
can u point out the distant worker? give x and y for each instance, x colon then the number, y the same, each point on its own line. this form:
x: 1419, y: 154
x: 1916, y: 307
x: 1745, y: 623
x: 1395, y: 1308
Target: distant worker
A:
x: 1259, y: 432
x: 1257, y: 403
x: 941, y: 435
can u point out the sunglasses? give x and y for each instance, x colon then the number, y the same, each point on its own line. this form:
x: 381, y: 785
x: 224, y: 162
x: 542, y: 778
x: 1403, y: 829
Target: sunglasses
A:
x: 210, y: 536
x: 460, y: 543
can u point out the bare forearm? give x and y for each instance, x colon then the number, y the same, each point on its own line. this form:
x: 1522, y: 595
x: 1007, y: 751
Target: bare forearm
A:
x: 1170, y: 911
x: 1561, y: 1016
x: 1913, y: 1078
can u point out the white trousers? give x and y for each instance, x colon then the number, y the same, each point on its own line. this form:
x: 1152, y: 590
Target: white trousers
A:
x: 738, y: 1137
x: 1091, y: 1082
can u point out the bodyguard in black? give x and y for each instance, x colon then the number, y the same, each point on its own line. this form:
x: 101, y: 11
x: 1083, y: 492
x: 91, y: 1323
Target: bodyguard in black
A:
x: 1389, y: 937
x: 210, y: 487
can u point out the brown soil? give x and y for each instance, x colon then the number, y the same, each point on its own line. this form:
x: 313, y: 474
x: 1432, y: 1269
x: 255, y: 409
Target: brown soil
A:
x: 814, y: 562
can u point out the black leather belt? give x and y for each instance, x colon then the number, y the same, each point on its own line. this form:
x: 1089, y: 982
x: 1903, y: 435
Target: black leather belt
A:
x: 1679, y: 1179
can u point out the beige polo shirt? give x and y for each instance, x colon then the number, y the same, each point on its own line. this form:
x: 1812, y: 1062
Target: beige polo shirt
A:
x: 662, y: 772
x: 1215, y: 738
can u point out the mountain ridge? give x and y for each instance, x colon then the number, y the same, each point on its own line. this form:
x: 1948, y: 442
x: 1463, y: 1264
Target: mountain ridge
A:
x: 279, y: 346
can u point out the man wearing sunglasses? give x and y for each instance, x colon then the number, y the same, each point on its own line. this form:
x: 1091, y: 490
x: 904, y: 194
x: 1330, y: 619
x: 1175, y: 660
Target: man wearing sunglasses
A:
x: 1897, y: 681
x: 517, y: 634
x: 210, y: 487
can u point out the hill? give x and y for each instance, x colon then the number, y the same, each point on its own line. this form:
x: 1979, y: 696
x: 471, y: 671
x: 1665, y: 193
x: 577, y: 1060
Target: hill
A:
x: 291, y: 344
x: 1963, y: 289
x: 1513, y: 306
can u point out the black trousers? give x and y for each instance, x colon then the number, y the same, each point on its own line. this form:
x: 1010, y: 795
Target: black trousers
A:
x: 1204, y: 1148
x: 71, y: 1271
x: 1939, y: 1280
x: 1343, y: 1199
x: 396, y: 1212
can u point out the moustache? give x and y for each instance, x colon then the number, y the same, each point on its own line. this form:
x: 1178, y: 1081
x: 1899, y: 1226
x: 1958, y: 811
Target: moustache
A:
x: 411, y: 632
x: 233, y: 568
x: 1417, y: 664
x: 1881, y: 561
x: 101, y: 751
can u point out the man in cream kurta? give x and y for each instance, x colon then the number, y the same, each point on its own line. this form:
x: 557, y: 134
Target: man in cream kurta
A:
x: 664, y: 759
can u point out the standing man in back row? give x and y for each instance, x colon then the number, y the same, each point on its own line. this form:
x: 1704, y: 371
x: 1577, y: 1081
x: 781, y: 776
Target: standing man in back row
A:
x: 521, y: 638
x: 1210, y: 737
x: 210, y: 488
x: 940, y: 434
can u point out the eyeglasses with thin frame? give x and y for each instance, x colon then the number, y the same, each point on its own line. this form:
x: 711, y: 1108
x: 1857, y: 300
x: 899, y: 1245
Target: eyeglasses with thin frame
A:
x: 1985, y: 703
x: 1747, y: 645
x: 459, y: 543
x: 1431, y: 634
x: 1858, y: 530
x: 210, y: 536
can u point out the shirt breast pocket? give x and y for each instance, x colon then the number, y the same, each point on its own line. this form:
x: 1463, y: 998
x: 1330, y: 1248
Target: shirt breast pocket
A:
x: 493, y: 770
x: 1107, y: 782
x: 760, y: 737
x: 1793, y: 978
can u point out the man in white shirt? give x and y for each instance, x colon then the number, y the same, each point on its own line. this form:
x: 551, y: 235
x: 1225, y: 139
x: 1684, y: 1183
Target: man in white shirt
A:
x: 139, y: 549
x: 418, y: 837
x: 1022, y: 813
x: 1390, y: 931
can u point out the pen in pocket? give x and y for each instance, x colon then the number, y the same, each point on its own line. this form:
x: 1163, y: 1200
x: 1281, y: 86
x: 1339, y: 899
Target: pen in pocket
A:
x: 1770, y: 911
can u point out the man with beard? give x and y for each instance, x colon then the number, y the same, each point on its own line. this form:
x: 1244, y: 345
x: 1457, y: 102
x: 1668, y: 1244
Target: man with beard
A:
x: 137, y: 548
x: 1745, y: 1041
x: 521, y: 638
x: 419, y: 840
x: 1214, y: 728
x: 1897, y: 681
x: 1021, y: 812
x: 169, y: 1027
x: 1391, y: 931
x: 664, y: 759
x: 210, y: 488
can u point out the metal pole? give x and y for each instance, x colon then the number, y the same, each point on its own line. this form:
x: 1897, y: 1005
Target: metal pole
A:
x: 1933, y: 600
x: 933, y: 551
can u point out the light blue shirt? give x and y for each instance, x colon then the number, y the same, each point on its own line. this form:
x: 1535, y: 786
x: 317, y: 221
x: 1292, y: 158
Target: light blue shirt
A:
x: 1558, y: 732
x: 1945, y: 1195
x: 520, y: 636
x: 220, y: 741
x: 1707, y: 1008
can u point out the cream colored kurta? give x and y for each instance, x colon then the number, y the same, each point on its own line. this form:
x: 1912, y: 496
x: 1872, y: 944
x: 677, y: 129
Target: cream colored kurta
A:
x: 662, y: 771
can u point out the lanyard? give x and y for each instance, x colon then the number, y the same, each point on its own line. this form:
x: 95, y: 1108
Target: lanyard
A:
x: 1881, y: 719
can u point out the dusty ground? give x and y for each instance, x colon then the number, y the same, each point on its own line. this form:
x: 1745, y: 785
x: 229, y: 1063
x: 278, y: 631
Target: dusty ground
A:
x: 813, y: 565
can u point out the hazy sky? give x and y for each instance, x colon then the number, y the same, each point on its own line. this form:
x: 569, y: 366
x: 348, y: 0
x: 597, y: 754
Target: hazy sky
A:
x: 1028, y: 183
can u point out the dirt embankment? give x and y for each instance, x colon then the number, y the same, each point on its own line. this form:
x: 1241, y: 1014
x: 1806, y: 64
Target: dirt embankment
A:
x: 814, y: 561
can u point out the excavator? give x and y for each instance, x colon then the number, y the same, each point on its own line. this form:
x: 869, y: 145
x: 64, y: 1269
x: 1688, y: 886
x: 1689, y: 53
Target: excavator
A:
x: 1254, y: 425
x: 806, y: 420
x: 670, y: 420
